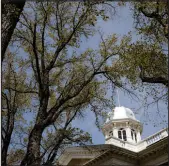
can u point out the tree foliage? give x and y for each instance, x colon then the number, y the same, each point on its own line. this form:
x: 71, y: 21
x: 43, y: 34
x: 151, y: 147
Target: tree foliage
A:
x: 151, y: 19
x: 15, y: 99
x: 60, y: 79
x: 45, y: 73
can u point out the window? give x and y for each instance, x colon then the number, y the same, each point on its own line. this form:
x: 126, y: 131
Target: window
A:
x: 133, y: 135
x: 110, y: 133
x: 122, y: 134
x: 119, y: 134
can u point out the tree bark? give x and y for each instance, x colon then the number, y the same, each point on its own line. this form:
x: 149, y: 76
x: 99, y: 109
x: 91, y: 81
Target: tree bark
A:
x: 155, y: 80
x: 33, y: 149
x: 11, y: 10
x: 7, y: 139
x: 32, y: 156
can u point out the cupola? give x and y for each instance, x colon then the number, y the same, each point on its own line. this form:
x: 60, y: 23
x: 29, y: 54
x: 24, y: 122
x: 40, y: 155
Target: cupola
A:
x: 122, y: 124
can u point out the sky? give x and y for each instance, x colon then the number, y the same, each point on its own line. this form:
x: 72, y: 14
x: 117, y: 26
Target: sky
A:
x: 121, y: 24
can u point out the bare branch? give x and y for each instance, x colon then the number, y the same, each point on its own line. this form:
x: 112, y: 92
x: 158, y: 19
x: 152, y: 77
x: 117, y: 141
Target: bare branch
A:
x: 43, y: 39
x: 36, y: 54
x: 20, y: 91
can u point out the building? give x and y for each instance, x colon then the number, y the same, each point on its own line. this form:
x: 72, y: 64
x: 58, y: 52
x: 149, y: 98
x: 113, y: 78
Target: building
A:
x: 123, y: 145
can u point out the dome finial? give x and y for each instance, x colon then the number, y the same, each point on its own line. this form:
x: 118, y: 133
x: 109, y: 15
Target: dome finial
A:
x: 118, y: 97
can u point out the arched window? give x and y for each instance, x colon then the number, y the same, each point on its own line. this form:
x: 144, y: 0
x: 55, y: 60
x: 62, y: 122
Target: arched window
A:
x: 133, y: 135
x: 122, y: 134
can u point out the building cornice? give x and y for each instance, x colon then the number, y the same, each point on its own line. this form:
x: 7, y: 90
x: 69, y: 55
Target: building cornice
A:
x: 116, y: 152
x: 97, y: 153
x: 158, y: 148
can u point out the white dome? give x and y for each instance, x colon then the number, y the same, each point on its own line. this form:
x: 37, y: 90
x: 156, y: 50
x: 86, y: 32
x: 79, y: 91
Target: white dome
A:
x: 121, y: 113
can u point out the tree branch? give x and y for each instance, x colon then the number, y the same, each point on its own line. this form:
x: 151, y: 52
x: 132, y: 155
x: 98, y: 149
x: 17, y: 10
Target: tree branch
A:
x: 156, y: 16
x: 20, y: 91
x: 36, y: 54
x: 154, y: 79
x: 43, y: 39
x: 160, y: 80
x: 60, y: 48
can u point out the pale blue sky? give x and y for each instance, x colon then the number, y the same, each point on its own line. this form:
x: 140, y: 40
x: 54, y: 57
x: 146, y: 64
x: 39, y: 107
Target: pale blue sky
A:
x: 121, y: 24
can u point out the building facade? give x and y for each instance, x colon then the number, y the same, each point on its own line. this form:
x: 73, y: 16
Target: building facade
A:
x: 123, y: 145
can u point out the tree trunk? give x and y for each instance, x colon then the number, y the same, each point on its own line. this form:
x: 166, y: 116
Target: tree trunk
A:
x: 6, y: 142
x: 11, y: 10
x: 32, y: 156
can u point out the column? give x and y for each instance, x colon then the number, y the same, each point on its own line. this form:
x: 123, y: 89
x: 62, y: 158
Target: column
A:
x: 115, y: 131
x: 128, y: 132
x: 138, y: 136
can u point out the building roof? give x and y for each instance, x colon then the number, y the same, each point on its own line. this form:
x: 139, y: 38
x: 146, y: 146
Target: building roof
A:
x: 153, y: 146
x: 142, y: 156
x: 120, y: 113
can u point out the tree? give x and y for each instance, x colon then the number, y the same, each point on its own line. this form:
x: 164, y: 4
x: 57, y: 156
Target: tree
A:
x: 64, y: 79
x: 143, y: 64
x: 148, y: 15
x: 13, y: 101
x: 54, y: 140
x: 144, y: 61
x: 63, y: 137
x: 62, y: 82
x: 11, y: 10
x: 151, y: 23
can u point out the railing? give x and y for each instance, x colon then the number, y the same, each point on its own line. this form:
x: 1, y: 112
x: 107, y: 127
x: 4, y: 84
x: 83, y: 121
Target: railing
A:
x: 140, y: 145
x: 153, y: 139
x: 156, y: 137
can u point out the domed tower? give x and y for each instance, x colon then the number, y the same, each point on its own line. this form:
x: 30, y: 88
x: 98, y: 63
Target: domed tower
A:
x: 122, y: 124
